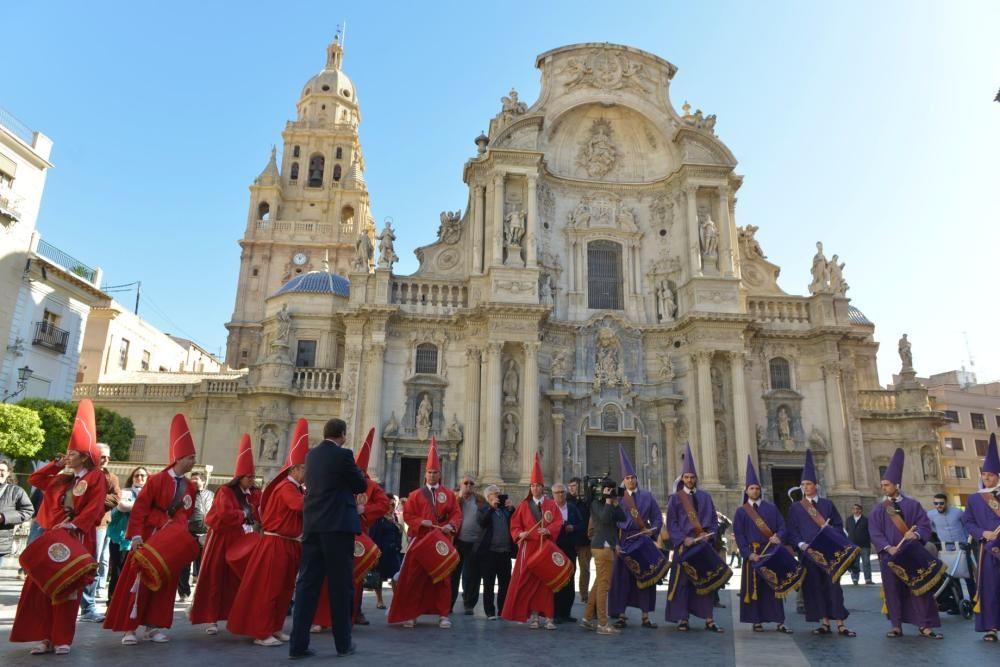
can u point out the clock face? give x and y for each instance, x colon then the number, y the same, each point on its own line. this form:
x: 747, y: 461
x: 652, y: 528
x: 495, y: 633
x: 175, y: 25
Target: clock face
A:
x: 300, y: 258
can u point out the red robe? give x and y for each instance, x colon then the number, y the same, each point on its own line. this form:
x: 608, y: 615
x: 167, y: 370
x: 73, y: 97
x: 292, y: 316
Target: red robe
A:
x: 527, y: 593
x: 376, y: 505
x: 36, y: 617
x: 415, y: 593
x: 133, y: 604
x: 217, y: 582
x: 261, y: 604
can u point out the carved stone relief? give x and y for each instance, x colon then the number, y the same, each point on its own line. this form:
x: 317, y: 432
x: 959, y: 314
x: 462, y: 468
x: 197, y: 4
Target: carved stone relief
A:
x: 598, y: 154
x: 605, y: 69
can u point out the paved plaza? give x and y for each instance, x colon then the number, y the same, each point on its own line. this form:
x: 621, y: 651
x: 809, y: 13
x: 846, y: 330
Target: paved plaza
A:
x: 474, y: 638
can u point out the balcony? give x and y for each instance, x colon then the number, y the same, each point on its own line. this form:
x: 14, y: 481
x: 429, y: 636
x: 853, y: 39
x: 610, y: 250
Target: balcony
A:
x: 49, y: 336
x: 323, y: 380
x: 68, y: 262
x: 434, y: 297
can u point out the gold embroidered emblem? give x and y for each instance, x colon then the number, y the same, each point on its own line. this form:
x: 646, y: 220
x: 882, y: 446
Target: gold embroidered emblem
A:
x: 441, y: 548
x: 361, y: 499
x: 547, y: 516
x: 558, y: 559
x: 359, y: 549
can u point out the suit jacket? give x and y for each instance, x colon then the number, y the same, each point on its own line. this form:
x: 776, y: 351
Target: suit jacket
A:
x: 332, y: 480
x: 857, y: 531
x: 567, y: 541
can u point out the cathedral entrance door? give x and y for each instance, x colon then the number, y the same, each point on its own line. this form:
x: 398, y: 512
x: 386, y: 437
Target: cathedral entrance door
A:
x: 411, y: 474
x: 602, y: 455
x: 783, y: 479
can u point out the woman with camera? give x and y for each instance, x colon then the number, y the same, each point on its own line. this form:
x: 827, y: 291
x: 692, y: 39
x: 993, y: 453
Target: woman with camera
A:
x: 605, y: 514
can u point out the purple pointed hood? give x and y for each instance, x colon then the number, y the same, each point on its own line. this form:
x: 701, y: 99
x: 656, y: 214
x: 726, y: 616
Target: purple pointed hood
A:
x: 627, y: 469
x: 688, y: 467
x: 894, y: 472
x: 751, y: 478
x: 809, y: 469
x: 992, y: 461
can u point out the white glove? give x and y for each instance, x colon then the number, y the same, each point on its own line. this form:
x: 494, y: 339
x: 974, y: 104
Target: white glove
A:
x: 803, y: 546
x: 247, y: 529
x: 136, y: 541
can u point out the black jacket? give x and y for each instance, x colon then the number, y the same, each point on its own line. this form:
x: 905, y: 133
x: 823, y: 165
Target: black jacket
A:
x: 857, y: 531
x: 332, y: 479
x: 15, y: 506
x: 485, y: 519
x: 584, y: 509
x: 568, y: 541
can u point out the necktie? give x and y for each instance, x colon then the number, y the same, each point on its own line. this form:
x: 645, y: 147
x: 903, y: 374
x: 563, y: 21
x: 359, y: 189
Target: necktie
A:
x: 694, y: 501
x: 815, y: 504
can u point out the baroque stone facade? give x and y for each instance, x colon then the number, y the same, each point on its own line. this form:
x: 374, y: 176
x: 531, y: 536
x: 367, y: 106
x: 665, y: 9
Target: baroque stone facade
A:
x: 595, y: 291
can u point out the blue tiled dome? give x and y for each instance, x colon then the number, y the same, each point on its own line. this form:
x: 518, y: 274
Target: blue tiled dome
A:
x: 855, y: 316
x: 317, y: 282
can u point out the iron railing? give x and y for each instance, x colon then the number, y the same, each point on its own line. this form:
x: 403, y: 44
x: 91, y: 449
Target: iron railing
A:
x: 67, y: 261
x: 49, y: 336
x: 16, y: 127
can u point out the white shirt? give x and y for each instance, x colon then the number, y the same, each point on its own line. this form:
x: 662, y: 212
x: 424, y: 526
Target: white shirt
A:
x: 565, y: 511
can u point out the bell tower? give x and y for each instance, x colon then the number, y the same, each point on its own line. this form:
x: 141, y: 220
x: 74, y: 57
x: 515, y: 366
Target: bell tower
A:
x: 315, y: 203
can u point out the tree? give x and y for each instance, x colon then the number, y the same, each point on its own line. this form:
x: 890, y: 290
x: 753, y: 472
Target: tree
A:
x: 21, y: 434
x: 115, y: 430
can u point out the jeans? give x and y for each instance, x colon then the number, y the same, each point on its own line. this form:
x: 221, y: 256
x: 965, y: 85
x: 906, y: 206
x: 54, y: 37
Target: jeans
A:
x: 88, y: 603
x: 494, y: 566
x: 597, y: 601
x: 862, y: 561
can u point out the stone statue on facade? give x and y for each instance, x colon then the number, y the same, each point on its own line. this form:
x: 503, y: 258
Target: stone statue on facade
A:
x: 709, y: 237
x: 364, y: 252
x: 820, y: 272
x: 284, y: 325
x: 269, y: 444
x: 836, y: 270
x: 784, y: 424
x: 929, y: 465
x: 598, y: 153
x: 514, y: 226
x: 626, y: 219
x: 387, y: 254
x: 508, y: 458
x: 454, y: 430
x: 580, y: 217
x: 905, y: 353
x: 608, y: 370
x: 424, y: 412
x: 451, y: 227
x: 510, y: 383
x: 666, y: 366
x: 511, y: 106
x: 392, y: 426
x: 716, y: 376
x: 545, y: 290
x: 665, y: 302
x: 749, y: 244
x: 654, y: 455
x: 559, y: 364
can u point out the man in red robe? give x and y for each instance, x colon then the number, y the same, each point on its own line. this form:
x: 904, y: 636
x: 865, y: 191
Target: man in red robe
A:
x: 537, y: 518
x: 73, y: 501
x: 235, y: 510
x: 167, y: 496
x: 261, y: 603
x: 429, y: 507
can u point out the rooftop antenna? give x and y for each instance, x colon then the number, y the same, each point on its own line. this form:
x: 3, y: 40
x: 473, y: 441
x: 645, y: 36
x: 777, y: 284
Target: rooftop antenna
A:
x: 968, y: 351
x: 341, y: 33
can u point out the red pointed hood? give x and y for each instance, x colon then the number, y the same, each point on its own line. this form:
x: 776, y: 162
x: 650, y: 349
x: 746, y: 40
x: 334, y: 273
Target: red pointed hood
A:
x: 365, y: 452
x: 297, y: 451
x: 536, y: 472
x: 433, y: 462
x: 244, y: 458
x: 83, y: 438
x: 181, y: 442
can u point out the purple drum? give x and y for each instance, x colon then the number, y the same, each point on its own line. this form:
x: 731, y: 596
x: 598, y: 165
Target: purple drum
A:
x: 914, y: 565
x: 832, y: 551
x: 644, y: 561
x: 780, y: 570
x: 703, y: 565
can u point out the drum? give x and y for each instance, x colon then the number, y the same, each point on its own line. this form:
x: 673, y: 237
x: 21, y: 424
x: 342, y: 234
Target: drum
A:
x: 553, y: 567
x: 832, y: 551
x: 434, y: 554
x: 780, y: 570
x: 704, y: 567
x: 993, y: 548
x: 165, y: 554
x: 59, y: 564
x: 366, y: 555
x: 916, y: 567
x: 239, y: 552
x: 644, y: 561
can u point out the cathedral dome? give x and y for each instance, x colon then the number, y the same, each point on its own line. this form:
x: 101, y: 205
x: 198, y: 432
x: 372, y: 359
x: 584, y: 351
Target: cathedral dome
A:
x: 317, y: 282
x: 331, y: 80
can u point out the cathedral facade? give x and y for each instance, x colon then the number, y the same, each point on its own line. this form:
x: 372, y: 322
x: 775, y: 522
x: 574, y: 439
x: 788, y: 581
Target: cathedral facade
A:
x: 596, y: 291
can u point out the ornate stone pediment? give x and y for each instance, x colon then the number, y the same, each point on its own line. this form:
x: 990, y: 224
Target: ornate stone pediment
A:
x: 605, y: 69
x: 603, y: 210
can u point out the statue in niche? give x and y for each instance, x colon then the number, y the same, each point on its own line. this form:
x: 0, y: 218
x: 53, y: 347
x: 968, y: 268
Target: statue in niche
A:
x: 454, y: 430
x: 508, y: 458
x: 387, y: 254
x: 716, y: 376
x: 761, y: 435
x: 598, y: 153
x: 364, y: 252
x: 608, y: 368
x: 905, y: 353
x: 424, y: 413
x: 665, y: 302
x: 654, y: 455
x: 567, y: 451
x: 666, y: 366
x: 510, y: 383
x: 929, y: 464
x: 392, y: 426
x: 820, y: 272
x: 545, y: 290
x: 284, y: 325
x: 451, y: 227
x: 580, y: 217
x: 709, y: 234
x: 837, y: 283
x: 514, y: 226
x: 784, y: 424
x: 269, y: 444
x: 626, y: 218
x: 558, y: 367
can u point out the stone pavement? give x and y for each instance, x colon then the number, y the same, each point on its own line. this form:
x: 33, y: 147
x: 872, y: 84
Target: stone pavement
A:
x: 498, y: 642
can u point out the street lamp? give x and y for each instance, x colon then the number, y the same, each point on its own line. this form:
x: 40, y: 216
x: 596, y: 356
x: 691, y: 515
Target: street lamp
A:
x: 23, y: 375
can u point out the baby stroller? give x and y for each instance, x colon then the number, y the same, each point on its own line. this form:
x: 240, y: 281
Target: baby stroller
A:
x: 961, y: 565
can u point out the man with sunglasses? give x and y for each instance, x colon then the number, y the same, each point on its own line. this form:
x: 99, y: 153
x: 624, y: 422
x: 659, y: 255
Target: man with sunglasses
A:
x: 469, y: 535
x: 954, y: 543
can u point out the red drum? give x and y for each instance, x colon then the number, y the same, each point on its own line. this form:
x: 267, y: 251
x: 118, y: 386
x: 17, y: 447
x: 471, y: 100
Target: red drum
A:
x: 366, y: 555
x: 780, y: 570
x: 165, y: 553
x: 434, y: 554
x: 59, y: 564
x: 916, y: 567
x: 239, y: 552
x: 832, y: 551
x: 644, y: 561
x: 551, y: 565
x: 704, y: 567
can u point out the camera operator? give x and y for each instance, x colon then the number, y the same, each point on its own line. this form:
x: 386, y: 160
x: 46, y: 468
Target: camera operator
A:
x: 496, y: 548
x: 578, y: 496
x: 604, y: 517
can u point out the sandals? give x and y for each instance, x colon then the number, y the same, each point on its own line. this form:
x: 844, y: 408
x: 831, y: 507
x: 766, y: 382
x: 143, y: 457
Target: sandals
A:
x: 683, y: 626
x: 43, y: 647
x: 823, y: 629
x: 894, y: 633
x: 712, y: 627
x: 646, y: 623
x: 844, y: 631
x: 620, y: 623
x: 990, y: 636
x: 927, y: 633
x: 783, y: 629
x: 380, y: 606
x: 757, y: 627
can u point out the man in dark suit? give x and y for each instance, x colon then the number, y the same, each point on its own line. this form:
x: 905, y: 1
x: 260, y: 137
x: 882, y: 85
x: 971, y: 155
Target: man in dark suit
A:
x: 567, y: 540
x: 857, y: 532
x: 330, y: 522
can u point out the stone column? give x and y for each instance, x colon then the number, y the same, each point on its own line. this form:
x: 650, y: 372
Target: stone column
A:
x: 708, y: 458
x: 469, y: 455
x: 489, y: 459
x: 529, y: 411
x: 497, y: 230
x: 741, y: 417
x: 669, y: 455
x: 694, y: 238
x: 531, y: 251
x: 727, y: 236
x: 841, y: 469
x: 558, y: 418
x: 373, y: 365
x: 478, y: 206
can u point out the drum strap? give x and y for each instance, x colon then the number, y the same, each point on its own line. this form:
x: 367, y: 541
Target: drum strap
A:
x: 691, y: 514
x: 758, y: 521
x: 813, y: 512
x: 897, y: 519
x: 991, y: 501
x: 433, y: 505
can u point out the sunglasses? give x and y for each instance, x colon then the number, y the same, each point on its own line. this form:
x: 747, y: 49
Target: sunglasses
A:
x: 939, y: 503
x: 468, y: 483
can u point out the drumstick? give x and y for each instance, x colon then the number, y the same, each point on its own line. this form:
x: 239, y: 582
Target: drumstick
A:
x: 641, y: 532
x: 537, y: 525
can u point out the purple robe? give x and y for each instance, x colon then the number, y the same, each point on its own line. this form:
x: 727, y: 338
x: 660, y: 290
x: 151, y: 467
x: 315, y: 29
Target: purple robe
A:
x: 682, y: 601
x: 823, y: 597
x: 767, y: 607
x: 979, y: 518
x: 903, y: 606
x: 624, y: 592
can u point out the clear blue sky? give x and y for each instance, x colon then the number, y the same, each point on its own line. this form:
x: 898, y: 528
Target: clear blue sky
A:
x: 868, y: 126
